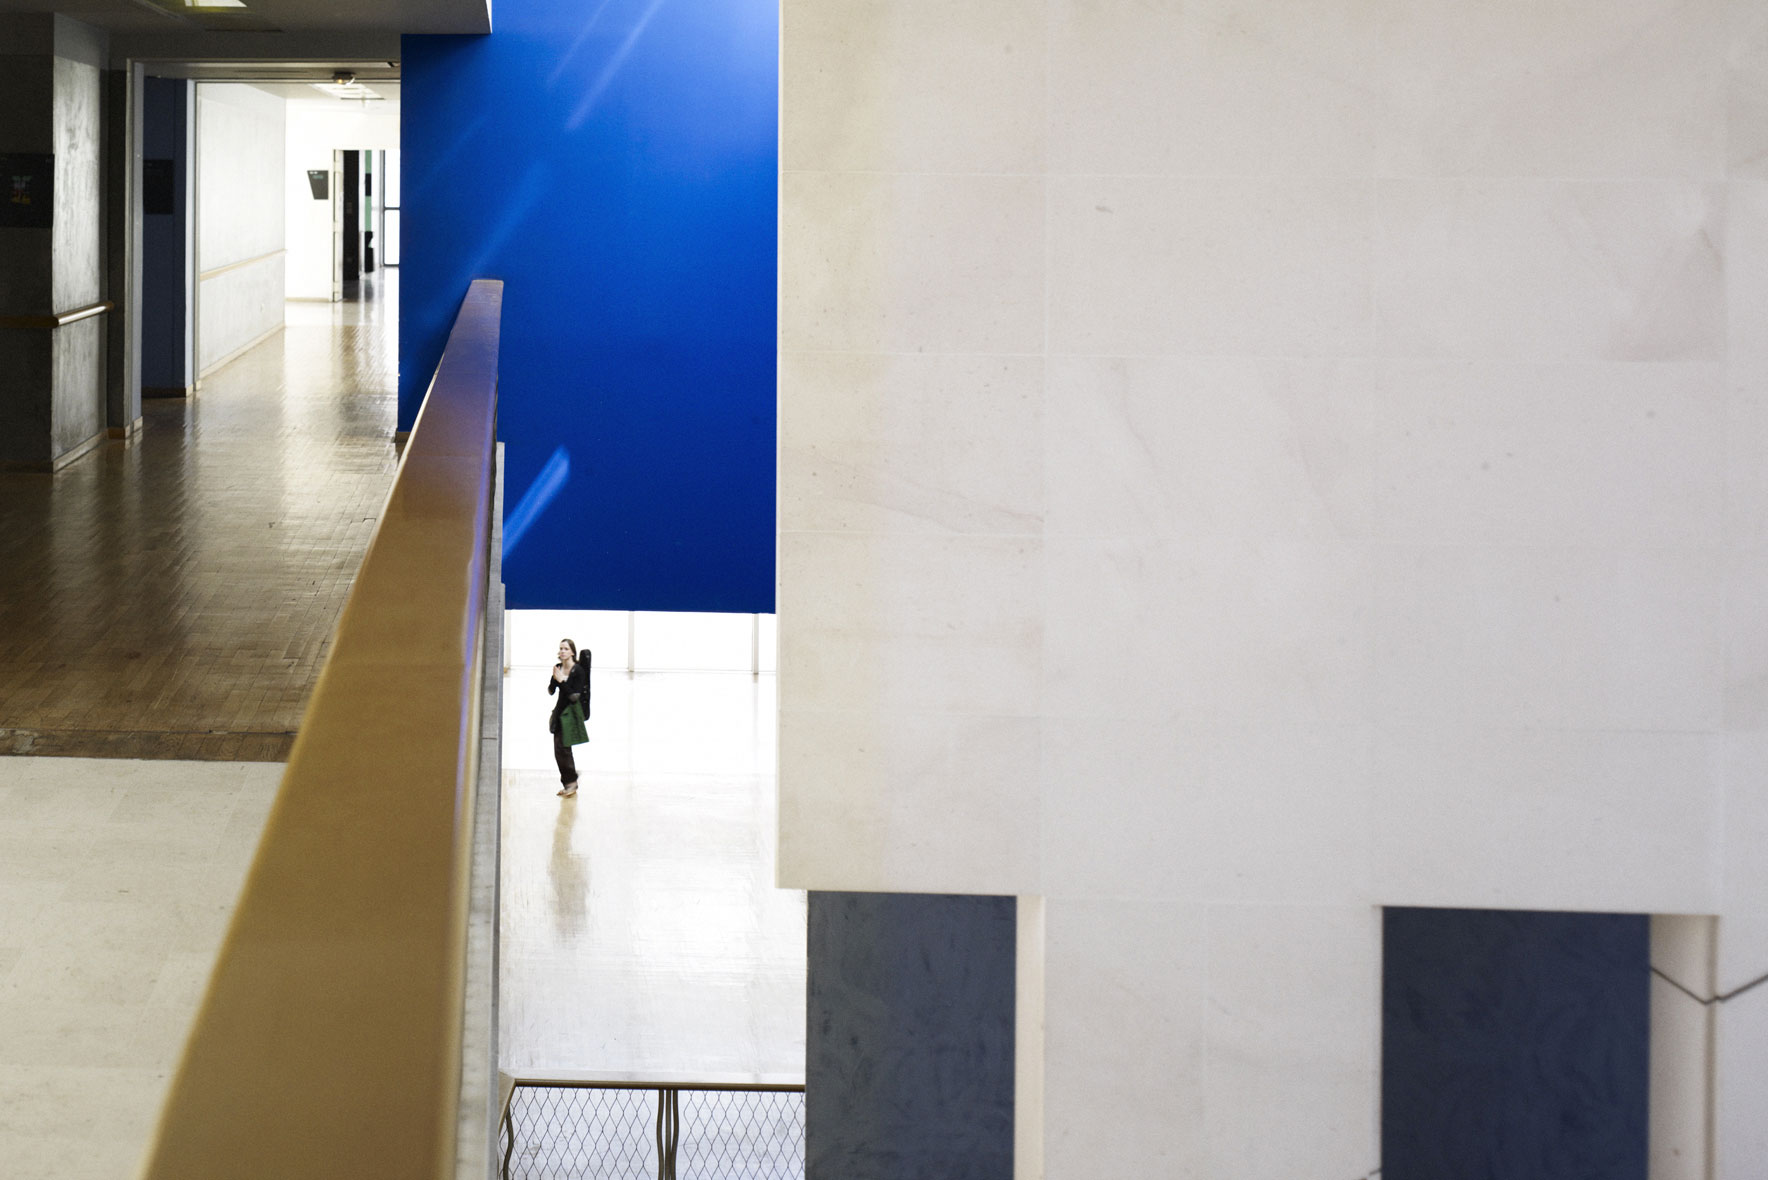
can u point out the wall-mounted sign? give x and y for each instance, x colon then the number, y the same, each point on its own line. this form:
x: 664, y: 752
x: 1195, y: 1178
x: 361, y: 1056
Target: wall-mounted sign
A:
x: 27, y: 191
x: 158, y: 194
x: 319, y: 180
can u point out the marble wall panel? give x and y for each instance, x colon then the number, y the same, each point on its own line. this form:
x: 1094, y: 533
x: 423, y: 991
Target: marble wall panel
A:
x: 1562, y: 455
x: 973, y: 283
x: 1231, y: 446
x: 1258, y: 631
x: 1633, y: 89
x: 893, y: 86
x: 1746, y: 442
x: 1547, y: 819
x: 1548, y: 637
x: 859, y: 786
x: 1151, y: 266
x: 911, y: 443
x: 896, y: 622
x: 1126, y: 993
x: 1747, y: 91
x: 1124, y: 804
x: 1293, y: 1026
x: 1743, y: 921
x: 1745, y: 640
x: 1501, y: 269
x: 1212, y: 87
x: 1288, y: 814
x: 1740, y: 1133
x: 1746, y: 269
x: 1161, y: 810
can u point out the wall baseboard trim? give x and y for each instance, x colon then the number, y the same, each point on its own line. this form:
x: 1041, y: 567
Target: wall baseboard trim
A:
x: 127, y: 435
x: 167, y: 390
x: 236, y: 353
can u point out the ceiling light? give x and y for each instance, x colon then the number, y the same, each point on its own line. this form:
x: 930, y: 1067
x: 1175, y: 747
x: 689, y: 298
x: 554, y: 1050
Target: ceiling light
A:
x: 350, y: 89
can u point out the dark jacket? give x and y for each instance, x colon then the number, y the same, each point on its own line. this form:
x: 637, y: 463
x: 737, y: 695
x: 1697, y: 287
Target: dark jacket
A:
x: 575, y: 688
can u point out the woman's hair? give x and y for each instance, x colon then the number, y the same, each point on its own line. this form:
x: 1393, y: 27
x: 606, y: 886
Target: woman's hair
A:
x: 570, y: 645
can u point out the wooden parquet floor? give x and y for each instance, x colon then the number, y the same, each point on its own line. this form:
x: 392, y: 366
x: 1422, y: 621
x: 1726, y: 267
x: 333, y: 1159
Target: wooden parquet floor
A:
x: 176, y: 598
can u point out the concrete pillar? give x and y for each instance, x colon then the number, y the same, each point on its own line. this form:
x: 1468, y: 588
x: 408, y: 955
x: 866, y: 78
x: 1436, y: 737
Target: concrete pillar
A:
x: 123, y: 140
x: 52, y: 241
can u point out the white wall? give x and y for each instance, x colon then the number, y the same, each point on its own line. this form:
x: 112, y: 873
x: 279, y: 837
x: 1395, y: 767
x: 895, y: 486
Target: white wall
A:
x: 1242, y: 465
x: 315, y: 130
x: 240, y: 257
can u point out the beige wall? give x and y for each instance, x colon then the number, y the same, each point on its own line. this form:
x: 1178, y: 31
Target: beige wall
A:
x: 1246, y: 464
x: 240, y: 137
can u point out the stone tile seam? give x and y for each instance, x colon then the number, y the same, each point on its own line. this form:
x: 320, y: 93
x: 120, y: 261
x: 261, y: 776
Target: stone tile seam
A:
x: 1718, y: 999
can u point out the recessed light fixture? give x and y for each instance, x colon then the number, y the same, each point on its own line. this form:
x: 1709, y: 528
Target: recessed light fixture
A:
x: 350, y: 89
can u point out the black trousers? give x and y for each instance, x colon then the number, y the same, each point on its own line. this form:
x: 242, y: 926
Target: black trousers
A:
x: 562, y: 755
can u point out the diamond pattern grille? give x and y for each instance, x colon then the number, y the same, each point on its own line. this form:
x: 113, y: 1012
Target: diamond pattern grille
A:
x: 584, y: 1133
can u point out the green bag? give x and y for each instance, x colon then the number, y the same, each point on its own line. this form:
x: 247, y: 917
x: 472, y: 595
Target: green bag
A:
x: 573, y: 727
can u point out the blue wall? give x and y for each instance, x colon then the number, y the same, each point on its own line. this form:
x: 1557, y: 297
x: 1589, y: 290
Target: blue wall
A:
x: 614, y: 162
x: 1514, y: 1045
x: 165, y: 283
x: 908, y: 1058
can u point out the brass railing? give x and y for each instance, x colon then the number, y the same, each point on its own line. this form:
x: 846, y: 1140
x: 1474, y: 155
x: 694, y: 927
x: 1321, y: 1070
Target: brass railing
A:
x: 329, y: 1041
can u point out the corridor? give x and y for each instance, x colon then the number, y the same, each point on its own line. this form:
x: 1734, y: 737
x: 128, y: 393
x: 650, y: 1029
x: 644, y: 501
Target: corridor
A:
x: 174, y: 598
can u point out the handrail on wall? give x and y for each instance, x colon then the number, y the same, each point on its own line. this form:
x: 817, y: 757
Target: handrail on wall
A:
x: 328, y: 1043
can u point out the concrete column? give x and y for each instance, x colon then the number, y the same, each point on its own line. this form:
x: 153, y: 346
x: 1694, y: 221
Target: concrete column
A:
x: 52, y: 377
x: 123, y: 122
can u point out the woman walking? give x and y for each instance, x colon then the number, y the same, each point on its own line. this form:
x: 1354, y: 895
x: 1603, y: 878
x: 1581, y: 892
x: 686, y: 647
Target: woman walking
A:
x: 570, y: 681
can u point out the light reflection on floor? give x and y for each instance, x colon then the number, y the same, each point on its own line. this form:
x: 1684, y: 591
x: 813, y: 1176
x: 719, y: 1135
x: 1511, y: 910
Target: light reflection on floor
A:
x: 641, y: 932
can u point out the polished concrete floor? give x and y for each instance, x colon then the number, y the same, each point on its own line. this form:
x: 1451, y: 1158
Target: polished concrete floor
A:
x: 117, y: 879
x: 175, y: 598
x: 642, y: 936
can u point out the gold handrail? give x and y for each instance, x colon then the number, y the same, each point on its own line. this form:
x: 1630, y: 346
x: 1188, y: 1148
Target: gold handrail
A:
x: 328, y: 1043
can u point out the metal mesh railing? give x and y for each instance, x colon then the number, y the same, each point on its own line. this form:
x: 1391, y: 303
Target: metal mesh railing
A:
x: 598, y: 1132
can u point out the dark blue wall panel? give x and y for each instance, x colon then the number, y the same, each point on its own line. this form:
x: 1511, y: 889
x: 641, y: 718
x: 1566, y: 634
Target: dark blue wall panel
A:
x: 1514, y: 1045
x: 615, y: 164
x: 165, y: 343
x: 909, y: 1052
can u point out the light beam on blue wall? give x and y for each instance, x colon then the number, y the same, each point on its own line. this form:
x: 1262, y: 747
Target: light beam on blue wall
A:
x: 540, y: 493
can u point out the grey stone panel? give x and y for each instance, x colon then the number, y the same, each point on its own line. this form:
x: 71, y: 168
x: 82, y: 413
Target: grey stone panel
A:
x: 79, y: 187
x: 78, y: 411
x: 909, y: 1052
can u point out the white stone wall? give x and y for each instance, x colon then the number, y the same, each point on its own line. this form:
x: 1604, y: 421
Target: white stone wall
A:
x: 1242, y: 465
x: 240, y: 137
